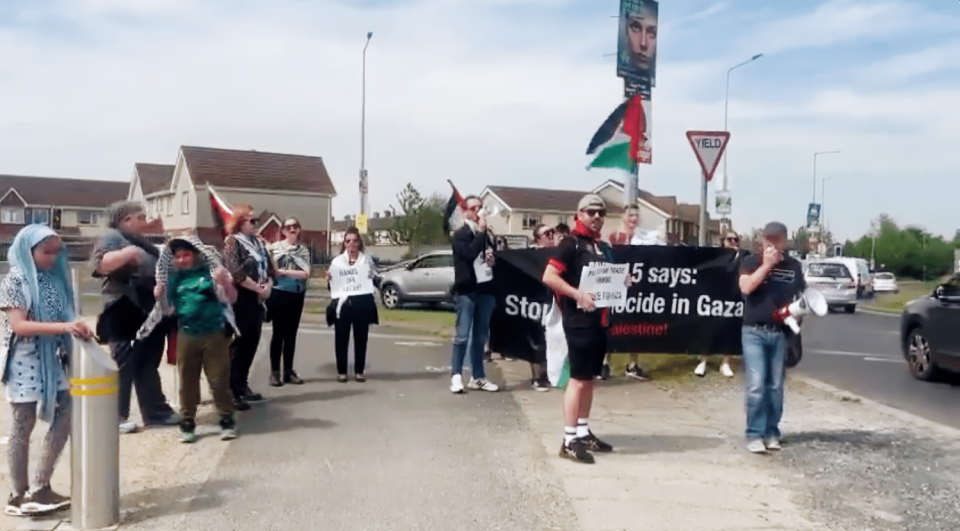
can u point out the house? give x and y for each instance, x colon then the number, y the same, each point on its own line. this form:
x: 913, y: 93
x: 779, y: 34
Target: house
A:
x: 520, y: 210
x: 75, y: 207
x: 680, y: 221
x: 276, y: 185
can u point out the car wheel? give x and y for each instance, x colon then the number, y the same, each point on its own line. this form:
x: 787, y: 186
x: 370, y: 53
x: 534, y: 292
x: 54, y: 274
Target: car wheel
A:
x: 390, y: 296
x: 850, y: 308
x: 920, y: 356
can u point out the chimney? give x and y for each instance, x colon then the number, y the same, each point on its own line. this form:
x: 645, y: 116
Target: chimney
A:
x: 376, y: 215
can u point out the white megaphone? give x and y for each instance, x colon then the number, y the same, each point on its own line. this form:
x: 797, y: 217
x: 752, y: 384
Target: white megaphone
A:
x: 810, y: 301
x: 491, y: 210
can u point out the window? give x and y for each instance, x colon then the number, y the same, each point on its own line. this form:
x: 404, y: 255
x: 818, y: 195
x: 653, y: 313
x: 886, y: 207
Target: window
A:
x: 185, y: 202
x: 169, y: 207
x: 11, y: 215
x: 828, y: 270
x: 38, y: 215
x: 88, y: 217
x: 434, y: 261
x: 530, y: 220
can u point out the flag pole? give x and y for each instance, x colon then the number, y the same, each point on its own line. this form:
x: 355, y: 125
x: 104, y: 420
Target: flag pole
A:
x: 703, y: 211
x: 633, y: 180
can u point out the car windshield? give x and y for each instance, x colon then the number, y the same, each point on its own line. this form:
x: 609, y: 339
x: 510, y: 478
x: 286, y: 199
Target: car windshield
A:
x: 885, y: 276
x: 828, y: 271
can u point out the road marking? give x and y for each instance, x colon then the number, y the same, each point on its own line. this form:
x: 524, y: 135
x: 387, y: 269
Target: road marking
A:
x: 867, y: 356
x: 316, y: 331
x: 888, y: 360
x: 416, y: 344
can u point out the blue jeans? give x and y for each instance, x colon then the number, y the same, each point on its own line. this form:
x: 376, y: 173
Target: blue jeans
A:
x: 473, y: 328
x: 764, y: 351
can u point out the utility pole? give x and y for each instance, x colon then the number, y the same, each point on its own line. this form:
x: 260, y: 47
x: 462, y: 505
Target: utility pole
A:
x: 726, y: 105
x: 364, y: 185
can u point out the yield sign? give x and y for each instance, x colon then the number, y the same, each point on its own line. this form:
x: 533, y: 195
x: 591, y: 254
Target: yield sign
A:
x: 709, y: 147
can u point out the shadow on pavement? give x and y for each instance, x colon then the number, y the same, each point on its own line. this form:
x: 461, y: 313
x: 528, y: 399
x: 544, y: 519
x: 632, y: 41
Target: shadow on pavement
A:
x: 154, y: 503
x: 656, y: 444
x: 315, y: 396
x: 280, y: 420
x: 859, y: 439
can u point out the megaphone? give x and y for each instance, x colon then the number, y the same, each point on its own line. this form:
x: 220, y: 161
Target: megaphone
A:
x: 491, y: 210
x: 810, y: 301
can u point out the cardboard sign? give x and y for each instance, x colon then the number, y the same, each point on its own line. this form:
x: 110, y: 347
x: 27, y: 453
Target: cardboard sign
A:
x: 350, y: 280
x: 607, y: 283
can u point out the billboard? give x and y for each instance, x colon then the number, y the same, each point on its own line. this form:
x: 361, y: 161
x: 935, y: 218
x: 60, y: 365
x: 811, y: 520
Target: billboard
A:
x: 637, y: 41
x: 813, y: 213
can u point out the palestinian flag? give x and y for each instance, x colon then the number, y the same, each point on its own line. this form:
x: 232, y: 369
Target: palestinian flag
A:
x: 453, y: 216
x: 220, y: 210
x: 618, y: 141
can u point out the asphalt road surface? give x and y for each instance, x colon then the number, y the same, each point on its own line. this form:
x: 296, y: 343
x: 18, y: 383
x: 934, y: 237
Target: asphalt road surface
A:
x: 397, y: 452
x: 861, y: 354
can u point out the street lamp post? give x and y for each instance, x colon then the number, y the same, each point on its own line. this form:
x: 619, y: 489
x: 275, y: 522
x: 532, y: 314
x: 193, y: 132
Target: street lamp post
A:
x: 823, y: 201
x: 364, y: 187
x: 726, y: 106
x: 815, y: 155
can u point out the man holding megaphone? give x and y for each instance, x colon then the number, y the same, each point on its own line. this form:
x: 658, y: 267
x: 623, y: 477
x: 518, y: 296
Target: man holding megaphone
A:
x: 770, y: 282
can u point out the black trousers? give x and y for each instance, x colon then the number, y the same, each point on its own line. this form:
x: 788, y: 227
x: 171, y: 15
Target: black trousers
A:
x: 139, y: 365
x: 361, y: 331
x: 249, y: 316
x: 285, y: 310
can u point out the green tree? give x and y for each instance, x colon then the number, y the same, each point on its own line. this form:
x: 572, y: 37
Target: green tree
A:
x: 419, y: 220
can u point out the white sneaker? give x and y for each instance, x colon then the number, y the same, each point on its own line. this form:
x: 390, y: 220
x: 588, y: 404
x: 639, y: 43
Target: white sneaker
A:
x: 756, y: 446
x: 701, y: 369
x: 128, y: 427
x: 726, y: 370
x: 482, y: 384
x: 772, y: 444
x: 456, y: 384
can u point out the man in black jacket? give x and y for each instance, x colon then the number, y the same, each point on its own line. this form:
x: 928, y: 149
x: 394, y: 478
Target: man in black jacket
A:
x: 473, y: 286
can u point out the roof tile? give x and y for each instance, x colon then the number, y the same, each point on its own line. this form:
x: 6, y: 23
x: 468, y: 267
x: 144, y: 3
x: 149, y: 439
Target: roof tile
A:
x: 230, y: 168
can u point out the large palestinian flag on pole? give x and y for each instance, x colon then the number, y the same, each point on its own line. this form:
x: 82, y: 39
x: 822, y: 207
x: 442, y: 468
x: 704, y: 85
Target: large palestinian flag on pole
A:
x: 618, y: 142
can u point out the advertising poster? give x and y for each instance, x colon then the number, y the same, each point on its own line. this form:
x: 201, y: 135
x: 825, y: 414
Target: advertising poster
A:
x: 637, y: 41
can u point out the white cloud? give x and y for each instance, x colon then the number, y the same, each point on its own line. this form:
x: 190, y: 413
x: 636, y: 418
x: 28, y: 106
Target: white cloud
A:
x: 454, y: 90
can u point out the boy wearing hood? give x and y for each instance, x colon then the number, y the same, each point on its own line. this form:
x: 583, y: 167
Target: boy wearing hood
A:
x: 199, y: 291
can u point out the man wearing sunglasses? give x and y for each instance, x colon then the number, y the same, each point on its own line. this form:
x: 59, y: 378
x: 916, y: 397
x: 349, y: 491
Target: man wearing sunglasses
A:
x: 473, y: 276
x: 584, y: 325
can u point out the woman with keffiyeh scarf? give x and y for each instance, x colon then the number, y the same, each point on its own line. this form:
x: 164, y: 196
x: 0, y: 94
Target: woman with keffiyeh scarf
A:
x: 37, y: 298
x: 126, y: 263
x: 247, y: 259
x: 286, y: 302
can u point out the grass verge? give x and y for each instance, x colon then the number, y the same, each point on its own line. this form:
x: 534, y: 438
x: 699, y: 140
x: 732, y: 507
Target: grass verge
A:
x: 895, y: 302
x: 667, y: 366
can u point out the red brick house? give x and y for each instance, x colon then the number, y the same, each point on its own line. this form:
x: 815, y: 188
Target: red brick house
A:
x: 75, y: 207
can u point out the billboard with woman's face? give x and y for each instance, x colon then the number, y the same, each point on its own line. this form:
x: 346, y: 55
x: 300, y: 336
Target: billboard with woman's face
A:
x: 637, y: 41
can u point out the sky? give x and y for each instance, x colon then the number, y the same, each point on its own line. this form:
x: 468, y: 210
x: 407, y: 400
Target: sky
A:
x: 500, y: 92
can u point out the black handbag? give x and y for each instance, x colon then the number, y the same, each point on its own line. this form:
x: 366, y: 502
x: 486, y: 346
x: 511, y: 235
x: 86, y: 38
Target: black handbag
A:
x: 794, y: 349
x: 332, y: 312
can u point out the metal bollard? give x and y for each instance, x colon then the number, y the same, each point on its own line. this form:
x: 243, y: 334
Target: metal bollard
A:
x: 95, y: 439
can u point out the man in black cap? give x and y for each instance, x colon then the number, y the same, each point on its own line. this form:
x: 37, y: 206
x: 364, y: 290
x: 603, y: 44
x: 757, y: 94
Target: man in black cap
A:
x: 584, y: 325
x: 769, y: 281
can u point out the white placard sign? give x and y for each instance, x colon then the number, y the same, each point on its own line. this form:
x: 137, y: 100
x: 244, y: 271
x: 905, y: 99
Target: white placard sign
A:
x: 607, y: 283
x: 350, y: 280
x: 483, y: 271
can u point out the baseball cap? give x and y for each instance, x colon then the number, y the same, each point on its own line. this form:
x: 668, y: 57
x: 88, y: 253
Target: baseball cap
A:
x: 591, y: 201
x: 774, y: 229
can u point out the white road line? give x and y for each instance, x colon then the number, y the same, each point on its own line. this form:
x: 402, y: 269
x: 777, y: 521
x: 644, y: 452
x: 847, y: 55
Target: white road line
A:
x: 888, y: 360
x: 868, y: 356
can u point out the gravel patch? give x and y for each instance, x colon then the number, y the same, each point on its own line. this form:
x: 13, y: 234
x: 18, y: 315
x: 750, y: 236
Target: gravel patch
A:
x: 850, y: 465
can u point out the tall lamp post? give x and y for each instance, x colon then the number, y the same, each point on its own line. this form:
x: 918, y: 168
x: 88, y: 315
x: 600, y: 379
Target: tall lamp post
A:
x: 364, y: 187
x: 726, y: 106
x: 823, y: 203
x: 815, y: 155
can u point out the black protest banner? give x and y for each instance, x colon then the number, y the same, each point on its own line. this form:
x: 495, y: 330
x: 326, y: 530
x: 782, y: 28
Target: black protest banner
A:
x: 683, y: 300
x: 522, y: 301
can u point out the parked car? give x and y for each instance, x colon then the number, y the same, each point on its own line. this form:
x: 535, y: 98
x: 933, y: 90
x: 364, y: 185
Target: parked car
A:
x: 835, y: 280
x: 428, y: 279
x: 928, y: 332
x: 885, y: 282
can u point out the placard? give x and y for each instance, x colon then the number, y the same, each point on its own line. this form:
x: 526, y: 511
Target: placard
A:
x: 346, y: 281
x: 607, y: 283
x: 483, y: 271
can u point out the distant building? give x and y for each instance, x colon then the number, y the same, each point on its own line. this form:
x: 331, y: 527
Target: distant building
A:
x: 276, y: 185
x: 76, y: 208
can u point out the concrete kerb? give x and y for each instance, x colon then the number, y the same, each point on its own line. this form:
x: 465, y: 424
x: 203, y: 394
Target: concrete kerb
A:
x: 843, y: 395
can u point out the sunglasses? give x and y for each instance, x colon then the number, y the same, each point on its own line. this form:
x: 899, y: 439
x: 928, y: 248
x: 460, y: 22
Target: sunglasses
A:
x: 547, y: 233
x: 734, y: 240
x: 288, y: 227
x: 592, y: 212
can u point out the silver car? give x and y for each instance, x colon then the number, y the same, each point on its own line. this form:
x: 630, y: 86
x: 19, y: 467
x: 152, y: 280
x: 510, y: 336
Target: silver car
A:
x: 836, y: 282
x: 428, y: 279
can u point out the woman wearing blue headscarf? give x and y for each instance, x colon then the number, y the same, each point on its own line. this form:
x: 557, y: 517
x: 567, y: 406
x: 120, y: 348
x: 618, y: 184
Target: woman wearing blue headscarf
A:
x: 37, y: 298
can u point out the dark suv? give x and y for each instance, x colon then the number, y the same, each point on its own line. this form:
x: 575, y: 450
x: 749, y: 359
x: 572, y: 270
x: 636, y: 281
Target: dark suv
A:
x: 930, y: 331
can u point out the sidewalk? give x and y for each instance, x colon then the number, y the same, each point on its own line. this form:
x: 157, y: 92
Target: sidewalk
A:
x: 156, y: 470
x: 679, y: 462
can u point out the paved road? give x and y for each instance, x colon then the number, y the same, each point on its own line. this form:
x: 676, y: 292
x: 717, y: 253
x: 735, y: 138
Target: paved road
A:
x: 861, y: 353
x: 398, y: 452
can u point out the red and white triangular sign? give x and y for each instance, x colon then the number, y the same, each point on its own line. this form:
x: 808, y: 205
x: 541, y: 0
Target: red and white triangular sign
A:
x: 709, y: 147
